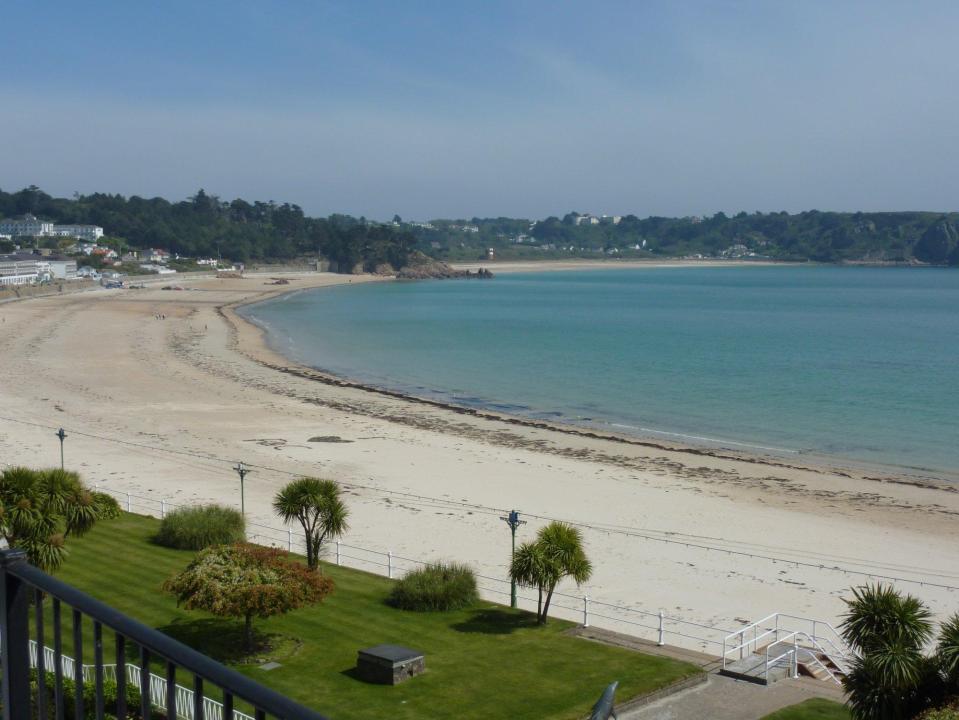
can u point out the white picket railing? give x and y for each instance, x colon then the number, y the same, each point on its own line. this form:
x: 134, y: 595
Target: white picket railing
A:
x: 657, y: 626
x: 212, y: 710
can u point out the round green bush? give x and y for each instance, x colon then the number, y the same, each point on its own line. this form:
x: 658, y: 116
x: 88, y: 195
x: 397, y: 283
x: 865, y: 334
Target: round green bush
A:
x: 195, y: 528
x: 438, y: 586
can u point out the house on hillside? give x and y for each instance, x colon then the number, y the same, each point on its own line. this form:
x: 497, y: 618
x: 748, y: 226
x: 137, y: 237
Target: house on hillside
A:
x: 155, y: 255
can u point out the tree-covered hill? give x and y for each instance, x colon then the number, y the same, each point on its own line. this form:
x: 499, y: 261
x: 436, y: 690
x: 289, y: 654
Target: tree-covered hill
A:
x: 205, y: 226
x: 926, y: 237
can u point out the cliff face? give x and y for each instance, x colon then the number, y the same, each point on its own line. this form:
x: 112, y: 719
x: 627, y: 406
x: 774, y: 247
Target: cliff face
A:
x: 422, y: 267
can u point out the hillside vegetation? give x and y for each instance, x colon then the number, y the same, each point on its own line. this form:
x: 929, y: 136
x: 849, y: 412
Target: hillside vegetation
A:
x: 206, y: 226
x: 925, y: 237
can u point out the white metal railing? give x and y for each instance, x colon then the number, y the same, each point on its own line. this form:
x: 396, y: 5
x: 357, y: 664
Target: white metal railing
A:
x: 647, y: 624
x: 776, y: 629
x: 212, y: 710
x: 810, y: 656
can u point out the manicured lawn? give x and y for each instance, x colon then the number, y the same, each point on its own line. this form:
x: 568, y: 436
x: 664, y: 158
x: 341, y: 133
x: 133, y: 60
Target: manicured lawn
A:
x: 814, y: 709
x: 488, y: 661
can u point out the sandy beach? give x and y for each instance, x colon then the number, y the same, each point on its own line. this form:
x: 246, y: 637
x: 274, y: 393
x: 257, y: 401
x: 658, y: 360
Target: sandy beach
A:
x: 161, y: 391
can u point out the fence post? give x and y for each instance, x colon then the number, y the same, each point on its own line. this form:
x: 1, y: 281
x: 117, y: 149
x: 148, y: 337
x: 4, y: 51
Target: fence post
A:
x: 129, y: 504
x: 162, y: 509
x: 662, y: 629
x: 389, y: 563
x: 337, y: 552
x: 742, y: 649
x: 586, y: 611
x: 14, y: 629
x: 289, y: 539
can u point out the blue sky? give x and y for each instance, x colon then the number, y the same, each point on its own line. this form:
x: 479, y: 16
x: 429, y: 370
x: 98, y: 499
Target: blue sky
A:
x: 449, y: 109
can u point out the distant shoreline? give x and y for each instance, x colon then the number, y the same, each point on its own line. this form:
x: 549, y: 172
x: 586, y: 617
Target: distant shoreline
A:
x: 514, y: 266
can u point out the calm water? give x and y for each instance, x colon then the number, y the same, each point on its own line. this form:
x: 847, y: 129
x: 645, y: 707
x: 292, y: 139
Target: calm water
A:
x: 858, y: 364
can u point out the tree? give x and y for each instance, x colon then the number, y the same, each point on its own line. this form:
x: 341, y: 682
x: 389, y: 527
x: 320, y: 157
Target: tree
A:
x: 948, y: 652
x: 40, y: 509
x: 316, y: 504
x: 246, y: 581
x: 556, y: 553
x: 891, y: 678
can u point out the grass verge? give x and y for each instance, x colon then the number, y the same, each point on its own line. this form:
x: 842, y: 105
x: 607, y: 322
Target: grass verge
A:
x: 812, y: 709
x: 485, y: 661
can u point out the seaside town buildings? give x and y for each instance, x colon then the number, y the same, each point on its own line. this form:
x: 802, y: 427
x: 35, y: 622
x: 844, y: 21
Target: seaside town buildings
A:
x: 24, y: 269
x: 30, y: 226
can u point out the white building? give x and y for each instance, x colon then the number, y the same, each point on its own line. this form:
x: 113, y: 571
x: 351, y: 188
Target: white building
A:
x: 20, y: 269
x: 26, y: 226
x: 29, y: 225
x: 91, y: 233
x: 62, y: 268
x: 155, y: 255
x: 158, y: 269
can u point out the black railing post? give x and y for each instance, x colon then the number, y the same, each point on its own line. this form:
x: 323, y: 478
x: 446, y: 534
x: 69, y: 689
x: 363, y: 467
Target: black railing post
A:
x: 14, y: 637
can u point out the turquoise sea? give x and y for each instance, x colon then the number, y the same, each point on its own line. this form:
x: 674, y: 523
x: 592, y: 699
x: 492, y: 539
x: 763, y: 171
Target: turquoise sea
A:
x: 842, y: 363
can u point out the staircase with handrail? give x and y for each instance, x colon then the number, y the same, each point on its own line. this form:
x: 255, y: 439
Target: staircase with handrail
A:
x: 782, y: 645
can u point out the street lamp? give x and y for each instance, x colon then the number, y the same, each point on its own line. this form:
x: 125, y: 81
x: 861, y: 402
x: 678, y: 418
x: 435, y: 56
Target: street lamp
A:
x: 242, y: 470
x: 514, y: 522
x: 62, y: 435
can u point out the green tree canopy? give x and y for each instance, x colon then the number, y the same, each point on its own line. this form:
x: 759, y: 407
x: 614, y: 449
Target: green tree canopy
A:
x: 318, y: 506
x: 556, y: 553
x: 892, y: 678
x: 246, y: 581
x: 40, y: 509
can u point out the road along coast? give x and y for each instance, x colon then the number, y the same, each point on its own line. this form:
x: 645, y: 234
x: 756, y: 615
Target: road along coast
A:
x: 162, y: 391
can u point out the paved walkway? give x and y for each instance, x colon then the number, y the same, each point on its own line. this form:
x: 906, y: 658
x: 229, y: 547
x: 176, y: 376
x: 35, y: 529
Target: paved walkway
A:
x: 719, y: 698
x: 722, y: 698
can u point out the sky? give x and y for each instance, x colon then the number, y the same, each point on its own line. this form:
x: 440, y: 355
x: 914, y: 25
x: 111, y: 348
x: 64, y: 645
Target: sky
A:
x: 457, y: 110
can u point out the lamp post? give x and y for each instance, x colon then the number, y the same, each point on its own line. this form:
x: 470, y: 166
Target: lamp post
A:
x: 514, y: 522
x: 242, y: 470
x: 62, y: 435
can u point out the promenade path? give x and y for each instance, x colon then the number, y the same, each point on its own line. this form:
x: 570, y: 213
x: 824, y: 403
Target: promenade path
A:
x: 719, y: 698
x: 722, y: 698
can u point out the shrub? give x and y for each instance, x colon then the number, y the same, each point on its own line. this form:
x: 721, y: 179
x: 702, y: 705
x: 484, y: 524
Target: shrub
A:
x: 247, y: 581
x: 196, y: 528
x: 438, y: 586
x: 950, y: 712
x: 107, y: 506
x: 89, y: 698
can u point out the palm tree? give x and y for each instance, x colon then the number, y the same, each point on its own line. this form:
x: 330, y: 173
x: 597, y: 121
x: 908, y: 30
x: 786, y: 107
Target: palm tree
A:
x: 948, y: 652
x: 316, y: 504
x: 891, y: 678
x: 40, y: 509
x: 530, y: 568
x: 879, y: 615
x: 556, y: 553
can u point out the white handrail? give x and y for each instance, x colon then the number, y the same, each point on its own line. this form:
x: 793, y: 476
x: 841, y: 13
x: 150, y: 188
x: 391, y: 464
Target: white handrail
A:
x: 795, y: 636
x: 705, y: 637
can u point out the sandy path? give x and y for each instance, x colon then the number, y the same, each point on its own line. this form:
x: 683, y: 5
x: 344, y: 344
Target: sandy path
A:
x: 202, y: 383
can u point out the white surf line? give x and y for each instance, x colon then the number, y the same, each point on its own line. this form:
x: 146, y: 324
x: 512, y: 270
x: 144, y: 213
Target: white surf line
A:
x: 705, y: 439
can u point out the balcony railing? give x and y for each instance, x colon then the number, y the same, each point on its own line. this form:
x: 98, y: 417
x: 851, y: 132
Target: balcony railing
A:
x: 23, y: 586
